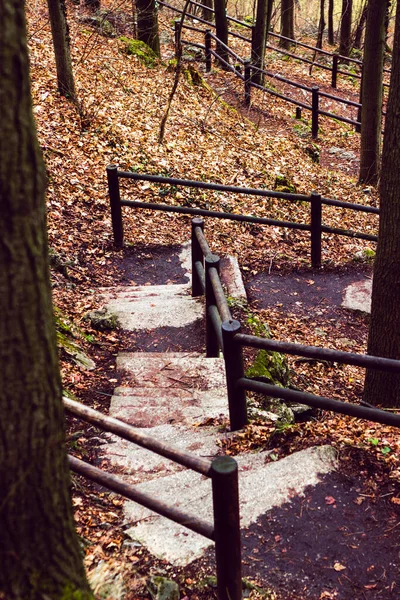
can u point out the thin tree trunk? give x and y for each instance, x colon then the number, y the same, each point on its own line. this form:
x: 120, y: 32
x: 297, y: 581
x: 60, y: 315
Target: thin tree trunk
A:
x: 371, y: 113
x: 221, y: 26
x: 331, y: 34
x: 208, y: 15
x: 345, y: 28
x: 147, y: 24
x: 384, y: 332
x: 321, y: 25
x: 61, y: 42
x: 40, y: 556
x: 360, y: 28
x: 287, y: 22
x: 259, y: 39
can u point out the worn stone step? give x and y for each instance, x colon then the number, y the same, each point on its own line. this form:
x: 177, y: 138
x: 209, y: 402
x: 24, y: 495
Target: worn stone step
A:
x: 138, y: 464
x: 150, y: 406
x: 171, y: 370
x: 261, y: 486
x: 150, y: 307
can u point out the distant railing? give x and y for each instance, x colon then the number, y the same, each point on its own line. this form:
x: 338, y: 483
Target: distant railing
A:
x: 223, y: 472
x: 224, y: 333
x: 316, y: 202
x: 336, y: 57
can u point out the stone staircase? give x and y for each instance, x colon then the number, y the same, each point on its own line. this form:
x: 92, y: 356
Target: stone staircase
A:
x: 180, y: 398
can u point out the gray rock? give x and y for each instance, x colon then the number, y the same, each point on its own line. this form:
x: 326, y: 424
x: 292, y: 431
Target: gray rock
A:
x: 161, y: 588
x: 102, y: 320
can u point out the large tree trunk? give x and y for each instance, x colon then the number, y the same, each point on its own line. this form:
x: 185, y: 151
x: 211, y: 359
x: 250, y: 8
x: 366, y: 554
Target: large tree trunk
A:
x: 208, y: 15
x: 60, y: 35
x: 331, y: 34
x: 259, y: 37
x: 384, y: 332
x: 345, y: 28
x: 287, y: 22
x: 147, y: 24
x: 221, y: 27
x: 39, y: 551
x: 371, y: 93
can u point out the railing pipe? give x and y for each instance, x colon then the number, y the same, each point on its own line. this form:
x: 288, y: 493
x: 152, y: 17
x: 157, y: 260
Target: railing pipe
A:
x: 344, y: 408
x: 366, y: 361
x: 219, y: 295
x: 115, y: 204
x: 177, y: 34
x: 316, y: 223
x: 315, y: 112
x: 224, y: 477
x: 127, y: 432
x: 197, y: 256
x: 234, y: 370
x: 128, y: 491
x: 212, y: 345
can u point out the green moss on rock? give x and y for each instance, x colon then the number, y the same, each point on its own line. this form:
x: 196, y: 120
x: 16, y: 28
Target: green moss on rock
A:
x: 282, y: 184
x: 141, y: 50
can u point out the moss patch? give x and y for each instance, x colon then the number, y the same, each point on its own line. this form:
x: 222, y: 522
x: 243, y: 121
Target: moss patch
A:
x: 141, y: 50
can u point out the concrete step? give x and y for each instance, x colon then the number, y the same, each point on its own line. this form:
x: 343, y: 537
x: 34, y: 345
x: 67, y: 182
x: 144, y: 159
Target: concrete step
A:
x: 150, y: 307
x: 137, y: 464
x: 171, y: 370
x: 261, y: 486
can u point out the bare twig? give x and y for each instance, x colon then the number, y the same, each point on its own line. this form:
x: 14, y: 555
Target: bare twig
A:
x: 177, y: 74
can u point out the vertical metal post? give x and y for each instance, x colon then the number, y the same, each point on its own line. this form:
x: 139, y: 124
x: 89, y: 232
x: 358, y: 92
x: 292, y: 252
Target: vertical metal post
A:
x: 177, y: 23
x: 298, y: 112
x: 359, y: 111
x: 115, y: 204
x: 225, y: 489
x: 315, y: 112
x: 234, y: 371
x: 335, y: 61
x: 207, y: 43
x: 212, y: 345
x: 316, y: 222
x: 197, y: 256
x: 247, y: 82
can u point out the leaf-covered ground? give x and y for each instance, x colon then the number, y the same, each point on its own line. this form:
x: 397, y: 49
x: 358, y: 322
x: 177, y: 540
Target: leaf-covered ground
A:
x: 209, y: 136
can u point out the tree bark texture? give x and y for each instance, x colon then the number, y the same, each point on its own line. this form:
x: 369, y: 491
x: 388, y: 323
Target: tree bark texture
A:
x: 60, y: 35
x: 147, y: 24
x: 321, y: 25
x: 39, y: 550
x: 221, y: 27
x: 259, y: 38
x: 360, y: 28
x: 384, y: 332
x: 345, y: 28
x: 371, y: 93
x: 331, y: 34
x: 208, y: 15
x: 287, y: 22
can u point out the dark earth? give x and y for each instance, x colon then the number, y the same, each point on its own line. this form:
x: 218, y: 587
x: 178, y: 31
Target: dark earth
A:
x: 339, y: 540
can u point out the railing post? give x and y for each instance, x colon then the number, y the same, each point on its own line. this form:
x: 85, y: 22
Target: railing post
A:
x: 225, y: 490
x: 207, y: 43
x: 298, y: 112
x: 177, y: 23
x: 115, y: 204
x: 197, y: 256
x: 315, y: 112
x: 234, y: 371
x: 247, y: 82
x: 316, y: 223
x: 212, y: 345
x: 335, y: 61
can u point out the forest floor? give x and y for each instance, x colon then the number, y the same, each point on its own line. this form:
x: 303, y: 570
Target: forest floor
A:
x: 211, y: 136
